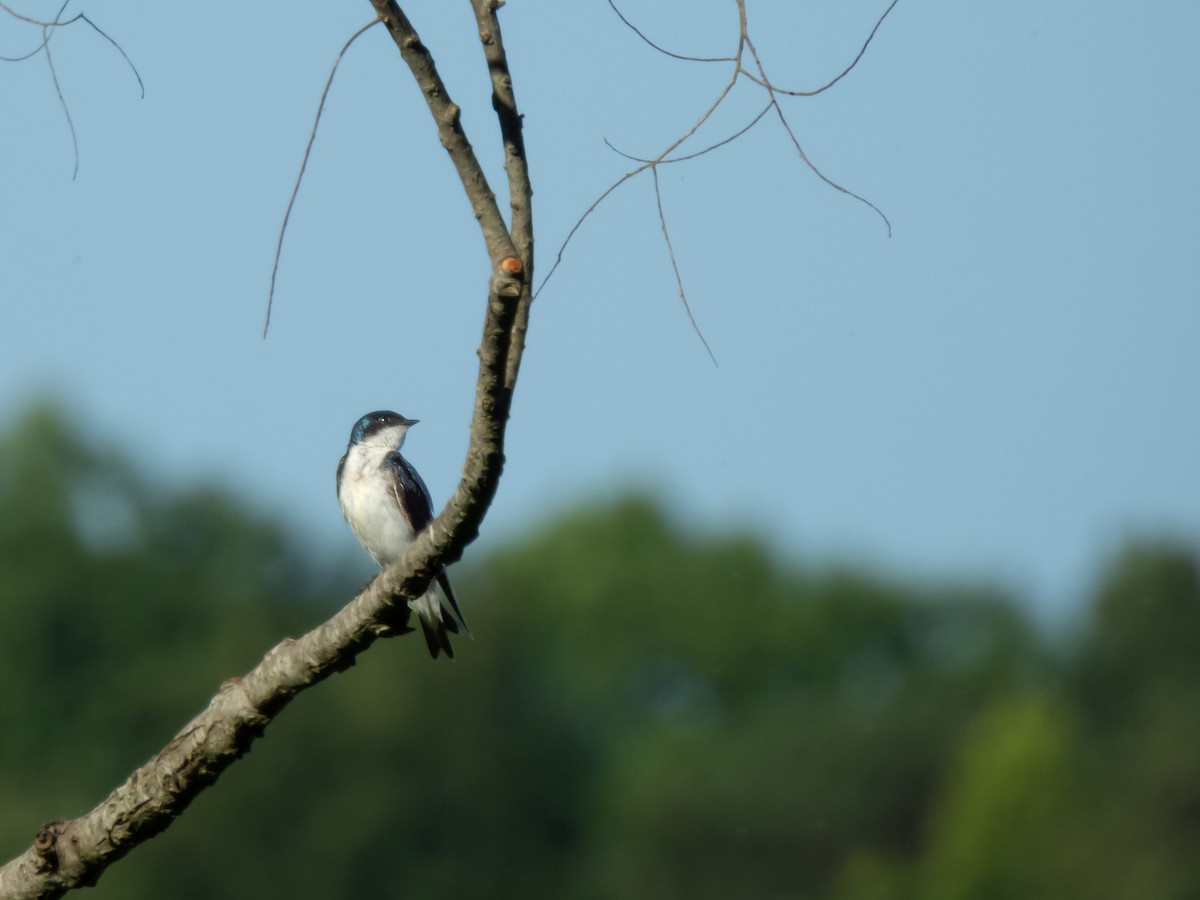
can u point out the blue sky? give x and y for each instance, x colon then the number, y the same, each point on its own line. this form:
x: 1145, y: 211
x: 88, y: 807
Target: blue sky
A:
x: 1007, y: 387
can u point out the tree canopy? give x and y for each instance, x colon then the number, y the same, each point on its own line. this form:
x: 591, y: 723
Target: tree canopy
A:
x: 645, y: 711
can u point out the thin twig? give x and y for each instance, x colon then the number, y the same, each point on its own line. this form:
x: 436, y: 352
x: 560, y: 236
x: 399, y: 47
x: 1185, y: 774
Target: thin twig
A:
x: 32, y: 53
x: 59, y: 22
x: 579, y: 222
x: 675, y: 159
x: 638, y: 171
x: 796, y: 142
x: 836, y: 79
x: 661, y: 49
x: 16, y: 15
x: 825, y: 178
x: 45, y: 26
x: 312, y: 136
x: 120, y: 50
x: 760, y: 78
x: 662, y: 220
x: 47, y: 30
x: 62, y: 100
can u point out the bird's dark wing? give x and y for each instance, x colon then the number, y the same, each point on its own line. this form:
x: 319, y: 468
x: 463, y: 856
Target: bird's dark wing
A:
x: 411, y: 493
x: 417, y: 506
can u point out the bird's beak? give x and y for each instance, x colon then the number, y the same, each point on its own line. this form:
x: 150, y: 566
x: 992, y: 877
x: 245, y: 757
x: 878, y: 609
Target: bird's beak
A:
x: 412, y: 422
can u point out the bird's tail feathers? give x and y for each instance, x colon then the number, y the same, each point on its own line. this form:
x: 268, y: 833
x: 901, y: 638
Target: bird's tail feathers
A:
x: 448, y: 591
x: 436, y: 621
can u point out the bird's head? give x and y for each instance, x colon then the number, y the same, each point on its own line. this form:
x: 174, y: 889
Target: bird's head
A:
x: 381, y: 429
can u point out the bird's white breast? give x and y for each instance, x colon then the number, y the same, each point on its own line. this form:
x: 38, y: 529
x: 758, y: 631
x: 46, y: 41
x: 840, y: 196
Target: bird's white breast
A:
x: 368, y: 500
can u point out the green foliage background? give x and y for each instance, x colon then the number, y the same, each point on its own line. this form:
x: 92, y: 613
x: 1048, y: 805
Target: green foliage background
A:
x: 644, y: 713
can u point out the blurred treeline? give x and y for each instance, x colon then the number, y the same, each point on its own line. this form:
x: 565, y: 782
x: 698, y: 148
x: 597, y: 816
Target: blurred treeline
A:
x: 643, y: 713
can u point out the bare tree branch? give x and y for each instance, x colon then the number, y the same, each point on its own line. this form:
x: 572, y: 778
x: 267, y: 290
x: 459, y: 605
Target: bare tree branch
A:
x: 662, y: 220
x: 661, y: 49
x: 749, y: 44
x: 62, y: 101
x: 312, y: 137
x: 74, y: 853
x: 59, y: 22
x: 649, y: 164
x: 508, y: 300
x: 48, y: 29
x: 447, y: 115
x: 516, y: 164
x: 738, y: 70
x: 763, y: 82
x: 4, y: 7
x: 67, y: 854
x: 709, y: 149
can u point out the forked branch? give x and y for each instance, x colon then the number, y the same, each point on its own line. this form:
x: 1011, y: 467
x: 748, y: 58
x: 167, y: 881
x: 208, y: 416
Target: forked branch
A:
x: 48, y: 28
x: 74, y: 853
x: 738, y: 69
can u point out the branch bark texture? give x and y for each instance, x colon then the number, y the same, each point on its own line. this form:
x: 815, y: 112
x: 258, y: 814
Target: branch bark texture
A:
x: 73, y: 853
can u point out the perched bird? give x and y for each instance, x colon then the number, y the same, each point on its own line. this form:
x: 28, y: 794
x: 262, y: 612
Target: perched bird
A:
x: 387, y: 504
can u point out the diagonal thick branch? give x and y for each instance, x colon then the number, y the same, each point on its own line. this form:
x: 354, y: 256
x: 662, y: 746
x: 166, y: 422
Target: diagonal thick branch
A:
x: 508, y: 297
x: 520, y: 189
x: 73, y: 853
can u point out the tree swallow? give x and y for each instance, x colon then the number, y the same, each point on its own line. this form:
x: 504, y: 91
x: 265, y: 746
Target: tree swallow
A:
x: 387, y: 505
